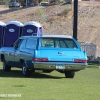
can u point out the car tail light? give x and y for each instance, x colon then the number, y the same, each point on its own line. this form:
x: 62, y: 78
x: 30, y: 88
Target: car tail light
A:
x: 37, y: 59
x: 44, y: 59
x: 80, y: 61
x: 41, y: 59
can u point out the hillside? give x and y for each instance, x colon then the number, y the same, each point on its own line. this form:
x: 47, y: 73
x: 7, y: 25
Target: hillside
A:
x: 54, y: 22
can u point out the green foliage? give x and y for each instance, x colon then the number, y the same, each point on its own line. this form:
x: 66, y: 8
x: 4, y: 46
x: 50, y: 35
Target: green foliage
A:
x: 40, y: 12
x: 66, y: 10
x: 59, y: 1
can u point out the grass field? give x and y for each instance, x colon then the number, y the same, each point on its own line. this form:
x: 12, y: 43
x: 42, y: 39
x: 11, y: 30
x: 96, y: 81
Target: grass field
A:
x: 50, y: 86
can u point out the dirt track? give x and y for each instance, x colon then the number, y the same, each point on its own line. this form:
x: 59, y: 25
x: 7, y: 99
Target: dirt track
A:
x: 55, y: 23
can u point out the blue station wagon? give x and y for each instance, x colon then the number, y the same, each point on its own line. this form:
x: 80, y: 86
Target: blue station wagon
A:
x: 47, y: 53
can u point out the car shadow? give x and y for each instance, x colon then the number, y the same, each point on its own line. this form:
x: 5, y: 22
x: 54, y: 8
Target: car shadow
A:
x: 18, y: 74
x: 44, y: 75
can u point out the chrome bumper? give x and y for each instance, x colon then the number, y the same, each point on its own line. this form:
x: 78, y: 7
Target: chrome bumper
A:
x: 59, y: 65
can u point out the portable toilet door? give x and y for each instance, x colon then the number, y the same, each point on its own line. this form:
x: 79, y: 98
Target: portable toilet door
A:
x: 13, y: 30
x: 2, y: 26
x: 32, y: 28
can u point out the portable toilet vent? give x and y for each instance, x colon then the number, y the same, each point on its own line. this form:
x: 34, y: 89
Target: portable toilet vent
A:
x: 32, y: 28
x: 12, y: 32
x: 2, y: 26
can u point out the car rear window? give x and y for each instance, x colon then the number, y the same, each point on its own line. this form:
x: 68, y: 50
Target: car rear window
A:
x: 58, y: 43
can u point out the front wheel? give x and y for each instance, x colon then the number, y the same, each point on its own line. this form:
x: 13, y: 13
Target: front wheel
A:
x: 69, y: 74
x: 26, y: 71
x: 6, y: 67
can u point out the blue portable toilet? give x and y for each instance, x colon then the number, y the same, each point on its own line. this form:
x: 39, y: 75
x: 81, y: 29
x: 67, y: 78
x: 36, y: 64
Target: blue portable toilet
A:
x: 32, y: 28
x: 12, y: 32
x: 2, y: 26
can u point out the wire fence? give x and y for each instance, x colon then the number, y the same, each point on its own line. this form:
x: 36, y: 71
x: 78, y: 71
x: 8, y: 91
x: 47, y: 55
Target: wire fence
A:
x: 90, y: 49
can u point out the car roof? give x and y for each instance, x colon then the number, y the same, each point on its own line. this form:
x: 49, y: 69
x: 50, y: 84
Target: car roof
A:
x: 43, y: 2
x: 49, y: 36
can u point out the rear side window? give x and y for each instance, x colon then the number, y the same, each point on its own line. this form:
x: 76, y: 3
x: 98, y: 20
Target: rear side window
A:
x: 31, y: 43
x: 47, y: 43
x: 70, y: 43
x: 58, y: 43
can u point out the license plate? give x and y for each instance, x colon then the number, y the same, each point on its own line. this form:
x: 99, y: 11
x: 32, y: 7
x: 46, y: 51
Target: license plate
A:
x: 60, y: 66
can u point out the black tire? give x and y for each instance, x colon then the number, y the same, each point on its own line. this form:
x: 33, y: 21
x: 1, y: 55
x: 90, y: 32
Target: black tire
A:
x: 69, y: 74
x: 6, y: 67
x: 25, y: 71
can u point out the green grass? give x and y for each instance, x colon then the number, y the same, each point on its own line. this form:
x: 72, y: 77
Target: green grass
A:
x: 93, y: 64
x: 50, y: 86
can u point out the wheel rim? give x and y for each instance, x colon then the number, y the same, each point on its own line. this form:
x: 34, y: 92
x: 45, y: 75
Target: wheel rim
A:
x: 24, y: 70
x: 4, y: 65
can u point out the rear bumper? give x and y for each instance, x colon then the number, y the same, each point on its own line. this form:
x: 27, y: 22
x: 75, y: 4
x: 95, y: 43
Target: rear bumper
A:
x: 59, y: 65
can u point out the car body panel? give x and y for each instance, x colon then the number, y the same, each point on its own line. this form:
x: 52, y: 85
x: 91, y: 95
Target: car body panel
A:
x: 14, y: 4
x: 44, y: 3
x: 29, y: 49
x: 60, y: 54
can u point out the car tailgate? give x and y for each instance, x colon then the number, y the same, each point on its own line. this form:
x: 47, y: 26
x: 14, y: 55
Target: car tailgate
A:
x: 61, y: 54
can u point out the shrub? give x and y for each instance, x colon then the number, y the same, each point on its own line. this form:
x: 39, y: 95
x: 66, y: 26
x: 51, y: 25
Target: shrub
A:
x: 40, y: 12
x: 66, y: 10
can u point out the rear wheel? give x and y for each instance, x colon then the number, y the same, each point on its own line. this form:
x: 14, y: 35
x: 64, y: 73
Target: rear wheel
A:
x: 69, y: 74
x: 6, y: 67
x: 26, y: 71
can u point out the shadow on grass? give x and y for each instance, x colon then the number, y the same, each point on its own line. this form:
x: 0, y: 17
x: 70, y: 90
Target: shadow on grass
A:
x: 18, y: 74
x: 44, y: 75
x: 93, y: 64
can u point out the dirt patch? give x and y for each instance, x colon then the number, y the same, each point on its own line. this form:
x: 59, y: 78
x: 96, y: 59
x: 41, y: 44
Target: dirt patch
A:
x: 2, y: 8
